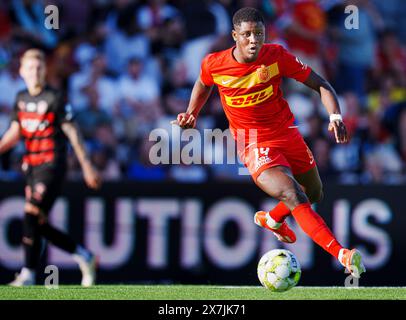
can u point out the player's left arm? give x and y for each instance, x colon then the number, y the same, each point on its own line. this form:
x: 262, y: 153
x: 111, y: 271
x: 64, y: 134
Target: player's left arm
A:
x: 90, y: 174
x: 329, y: 99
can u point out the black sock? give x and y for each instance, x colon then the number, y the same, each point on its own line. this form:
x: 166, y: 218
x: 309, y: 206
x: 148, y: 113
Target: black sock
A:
x: 31, y: 241
x: 58, y: 238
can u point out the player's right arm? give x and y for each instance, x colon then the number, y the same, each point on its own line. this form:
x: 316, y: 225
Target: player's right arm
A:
x: 198, y: 98
x: 10, y: 137
x: 200, y: 93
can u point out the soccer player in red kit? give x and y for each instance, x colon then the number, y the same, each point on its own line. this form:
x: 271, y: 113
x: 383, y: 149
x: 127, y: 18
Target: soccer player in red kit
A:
x: 248, y: 77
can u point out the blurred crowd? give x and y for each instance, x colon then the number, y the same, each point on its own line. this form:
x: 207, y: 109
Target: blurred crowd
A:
x: 128, y: 67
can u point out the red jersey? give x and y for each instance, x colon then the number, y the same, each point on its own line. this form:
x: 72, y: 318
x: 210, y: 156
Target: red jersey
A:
x: 250, y: 92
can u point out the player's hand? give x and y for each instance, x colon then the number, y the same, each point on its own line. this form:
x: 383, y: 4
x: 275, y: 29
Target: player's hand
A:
x: 91, y: 176
x: 340, y: 131
x: 185, y: 120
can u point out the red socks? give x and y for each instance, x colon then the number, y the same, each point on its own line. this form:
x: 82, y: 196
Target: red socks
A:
x: 280, y: 212
x: 315, y: 227
x: 311, y: 223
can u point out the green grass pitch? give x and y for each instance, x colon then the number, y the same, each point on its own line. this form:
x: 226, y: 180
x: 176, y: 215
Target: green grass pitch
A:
x: 200, y: 292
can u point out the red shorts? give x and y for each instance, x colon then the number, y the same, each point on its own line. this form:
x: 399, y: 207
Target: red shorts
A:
x: 290, y: 151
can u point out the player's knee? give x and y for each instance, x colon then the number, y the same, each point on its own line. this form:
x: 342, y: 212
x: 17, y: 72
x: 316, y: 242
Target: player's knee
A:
x: 28, y: 241
x: 31, y: 209
x: 292, y: 196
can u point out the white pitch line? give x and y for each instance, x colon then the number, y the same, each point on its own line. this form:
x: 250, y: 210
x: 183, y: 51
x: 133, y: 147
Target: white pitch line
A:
x: 307, y: 287
x: 237, y: 287
x: 339, y: 287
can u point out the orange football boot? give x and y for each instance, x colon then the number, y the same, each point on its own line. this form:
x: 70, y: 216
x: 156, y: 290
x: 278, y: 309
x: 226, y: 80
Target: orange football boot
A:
x: 280, y: 229
x: 352, y: 261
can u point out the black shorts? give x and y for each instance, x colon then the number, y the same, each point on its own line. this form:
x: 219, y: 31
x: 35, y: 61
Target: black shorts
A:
x: 43, y: 185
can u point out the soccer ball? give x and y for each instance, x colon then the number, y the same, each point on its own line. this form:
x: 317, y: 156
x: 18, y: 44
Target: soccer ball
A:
x: 279, y: 270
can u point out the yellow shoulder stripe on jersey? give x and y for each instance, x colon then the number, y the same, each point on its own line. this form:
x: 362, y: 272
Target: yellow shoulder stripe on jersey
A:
x: 250, y: 99
x: 247, y: 81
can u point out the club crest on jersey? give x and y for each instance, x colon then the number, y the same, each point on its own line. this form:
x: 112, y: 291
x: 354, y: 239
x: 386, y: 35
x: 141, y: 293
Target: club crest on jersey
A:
x: 263, y: 74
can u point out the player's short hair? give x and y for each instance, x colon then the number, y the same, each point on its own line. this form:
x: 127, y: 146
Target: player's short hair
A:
x: 33, y: 53
x: 247, y: 14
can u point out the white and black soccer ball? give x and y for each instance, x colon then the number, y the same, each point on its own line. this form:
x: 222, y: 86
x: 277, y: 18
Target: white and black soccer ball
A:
x: 279, y: 270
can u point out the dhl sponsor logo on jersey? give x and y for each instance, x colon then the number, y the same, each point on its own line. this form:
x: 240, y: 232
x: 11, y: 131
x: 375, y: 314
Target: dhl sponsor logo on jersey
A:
x: 261, y: 75
x: 250, y: 99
